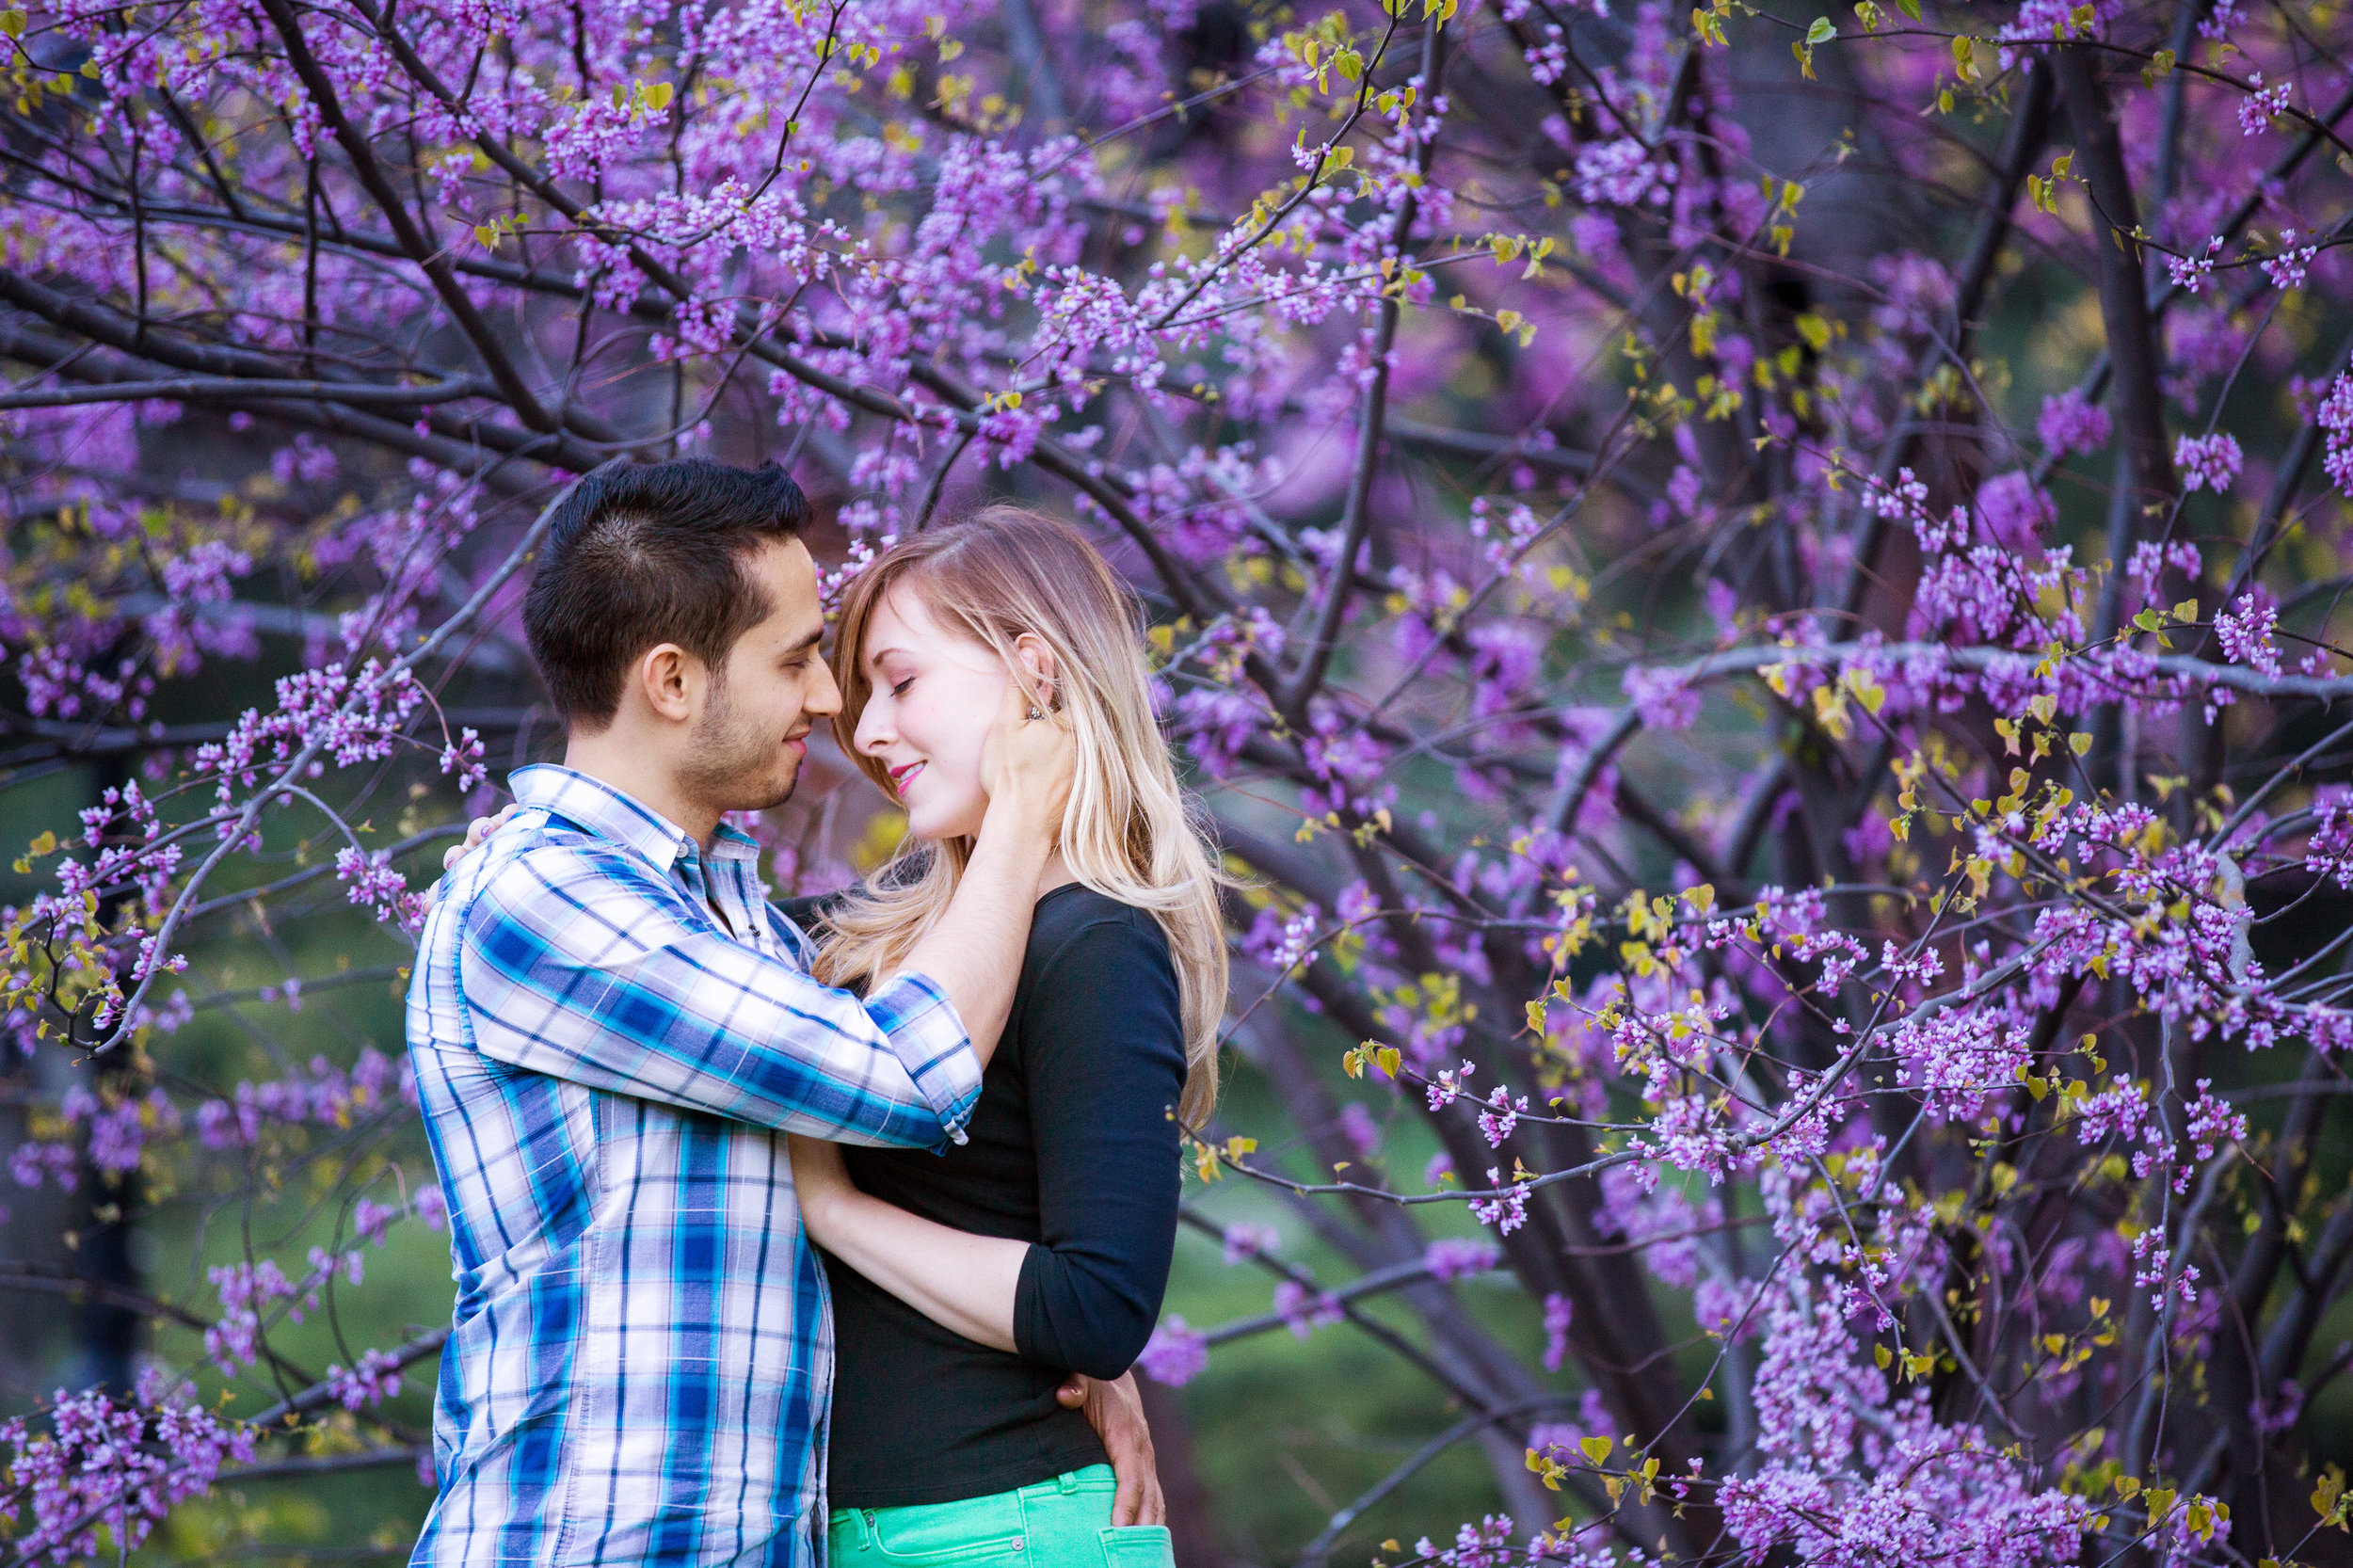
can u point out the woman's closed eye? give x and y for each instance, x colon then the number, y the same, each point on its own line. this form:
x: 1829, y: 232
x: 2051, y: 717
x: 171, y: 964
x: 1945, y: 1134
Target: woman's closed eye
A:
x: 900, y: 689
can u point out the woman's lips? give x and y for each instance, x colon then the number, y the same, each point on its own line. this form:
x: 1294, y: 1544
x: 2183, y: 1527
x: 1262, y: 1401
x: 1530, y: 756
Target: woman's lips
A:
x: 902, y: 775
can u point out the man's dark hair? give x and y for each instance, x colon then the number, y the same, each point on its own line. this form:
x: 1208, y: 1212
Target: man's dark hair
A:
x: 651, y: 554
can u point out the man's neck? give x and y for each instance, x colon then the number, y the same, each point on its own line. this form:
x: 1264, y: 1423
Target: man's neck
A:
x: 612, y: 757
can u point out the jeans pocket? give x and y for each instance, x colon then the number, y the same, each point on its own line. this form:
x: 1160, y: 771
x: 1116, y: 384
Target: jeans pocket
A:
x: 1138, y: 1547
x: 951, y: 1536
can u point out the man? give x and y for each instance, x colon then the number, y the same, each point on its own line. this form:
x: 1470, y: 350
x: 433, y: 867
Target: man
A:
x: 612, y: 1029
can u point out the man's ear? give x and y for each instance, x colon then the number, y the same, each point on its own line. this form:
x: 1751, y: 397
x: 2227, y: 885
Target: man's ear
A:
x: 671, y: 679
x: 1039, y: 674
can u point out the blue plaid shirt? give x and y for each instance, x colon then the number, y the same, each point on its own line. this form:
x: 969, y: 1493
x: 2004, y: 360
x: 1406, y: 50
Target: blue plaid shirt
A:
x: 641, y: 1365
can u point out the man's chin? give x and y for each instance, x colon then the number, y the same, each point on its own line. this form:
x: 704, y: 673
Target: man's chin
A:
x: 779, y: 790
x: 752, y: 794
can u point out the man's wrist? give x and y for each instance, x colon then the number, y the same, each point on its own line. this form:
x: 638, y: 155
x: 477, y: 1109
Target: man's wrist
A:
x: 1006, y: 830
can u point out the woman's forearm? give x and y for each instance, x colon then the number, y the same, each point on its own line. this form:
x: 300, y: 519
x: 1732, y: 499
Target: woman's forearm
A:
x: 962, y: 1281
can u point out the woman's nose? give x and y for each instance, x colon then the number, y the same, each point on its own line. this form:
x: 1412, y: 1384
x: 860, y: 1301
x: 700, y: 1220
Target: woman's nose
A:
x: 873, y: 734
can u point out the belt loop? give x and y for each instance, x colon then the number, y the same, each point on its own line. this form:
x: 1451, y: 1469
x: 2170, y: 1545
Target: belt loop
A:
x: 1068, y: 1482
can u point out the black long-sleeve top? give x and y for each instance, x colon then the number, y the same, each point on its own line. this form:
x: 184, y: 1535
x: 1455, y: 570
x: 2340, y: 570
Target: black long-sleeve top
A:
x: 1073, y: 1148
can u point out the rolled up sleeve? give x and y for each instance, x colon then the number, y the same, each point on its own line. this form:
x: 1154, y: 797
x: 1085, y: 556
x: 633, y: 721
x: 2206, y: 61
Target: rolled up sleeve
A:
x: 577, y: 962
x: 1105, y: 1074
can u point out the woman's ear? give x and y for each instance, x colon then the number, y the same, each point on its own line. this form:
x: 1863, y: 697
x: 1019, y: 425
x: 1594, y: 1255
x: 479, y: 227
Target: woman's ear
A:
x: 1038, y: 672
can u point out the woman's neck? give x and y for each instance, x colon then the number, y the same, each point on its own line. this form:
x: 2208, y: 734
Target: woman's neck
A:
x: 1057, y: 873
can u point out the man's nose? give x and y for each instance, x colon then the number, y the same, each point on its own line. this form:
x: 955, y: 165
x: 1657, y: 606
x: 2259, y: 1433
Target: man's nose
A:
x: 822, y: 700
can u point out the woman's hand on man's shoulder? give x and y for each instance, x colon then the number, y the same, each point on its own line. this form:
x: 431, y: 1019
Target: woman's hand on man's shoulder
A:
x: 477, y: 830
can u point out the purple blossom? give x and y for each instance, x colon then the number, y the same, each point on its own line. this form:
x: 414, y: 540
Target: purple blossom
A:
x: 1507, y: 1210
x: 1362, y: 1131
x: 2069, y: 424
x: 2281, y: 1412
x: 2208, y: 462
x: 1448, y: 1085
x: 1246, y: 1241
x: 31, y: 1163
x: 2245, y: 631
x: 1175, y: 1354
x: 1557, y: 1317
x: 1663, y: 698
x: 463, y: 757
x: 2190, y: 273
x: 2212, y: 1122
x: 1284, y: 942
x: 375, y: 883
x: 375, y: 1379
x: 2261, y: 105
x: 2286, y: 269
x: 1502, y: 1114
x: 1619, y: 174
x: 120, y: 1466
x: 1485, y: 1545
x: 1456, y: 1258
x: 1302, y: 1310
x: 2015, y: 511
x: 2335, y: 415
x: 2328, y: 850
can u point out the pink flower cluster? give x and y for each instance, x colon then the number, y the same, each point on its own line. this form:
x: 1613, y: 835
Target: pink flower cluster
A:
x: 1175, y: 1354
x: 101, y: 1463
x: 2208, y: 462
x: 2245, y: 631
x: 326, y: 1095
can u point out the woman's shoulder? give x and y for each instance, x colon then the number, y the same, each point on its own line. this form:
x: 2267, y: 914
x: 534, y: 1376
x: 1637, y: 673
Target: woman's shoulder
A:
x: 1099, y: 974
x: 814, y: 913
x: 1075, y: 920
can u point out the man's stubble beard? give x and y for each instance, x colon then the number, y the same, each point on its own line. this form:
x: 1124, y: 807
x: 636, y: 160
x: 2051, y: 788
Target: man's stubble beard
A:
x: 731, y: 760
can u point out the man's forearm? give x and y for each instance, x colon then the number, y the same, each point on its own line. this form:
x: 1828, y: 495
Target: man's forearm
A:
x: 974, y: 952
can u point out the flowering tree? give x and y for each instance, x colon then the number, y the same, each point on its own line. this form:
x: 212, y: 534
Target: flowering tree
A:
x: 1753, y: 593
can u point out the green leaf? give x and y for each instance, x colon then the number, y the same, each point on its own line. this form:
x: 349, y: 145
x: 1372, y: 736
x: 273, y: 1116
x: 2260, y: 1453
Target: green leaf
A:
x: 1823, y: 30
x: 1910, y: 8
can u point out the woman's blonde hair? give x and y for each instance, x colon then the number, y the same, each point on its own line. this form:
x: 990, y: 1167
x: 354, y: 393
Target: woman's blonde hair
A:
x: 1127, y: 832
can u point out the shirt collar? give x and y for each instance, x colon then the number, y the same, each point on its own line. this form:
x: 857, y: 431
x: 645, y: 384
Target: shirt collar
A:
x: 619, y: 816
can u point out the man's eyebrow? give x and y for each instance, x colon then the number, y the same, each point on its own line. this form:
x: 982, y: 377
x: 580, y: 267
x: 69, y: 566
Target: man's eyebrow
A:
x: 810, y: 641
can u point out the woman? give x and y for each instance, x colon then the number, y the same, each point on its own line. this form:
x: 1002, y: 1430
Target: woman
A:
x: 974, y: 1281
x: 1042, y: 1245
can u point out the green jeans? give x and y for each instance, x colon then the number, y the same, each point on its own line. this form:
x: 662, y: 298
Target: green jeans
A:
x: 1062, y: 1522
